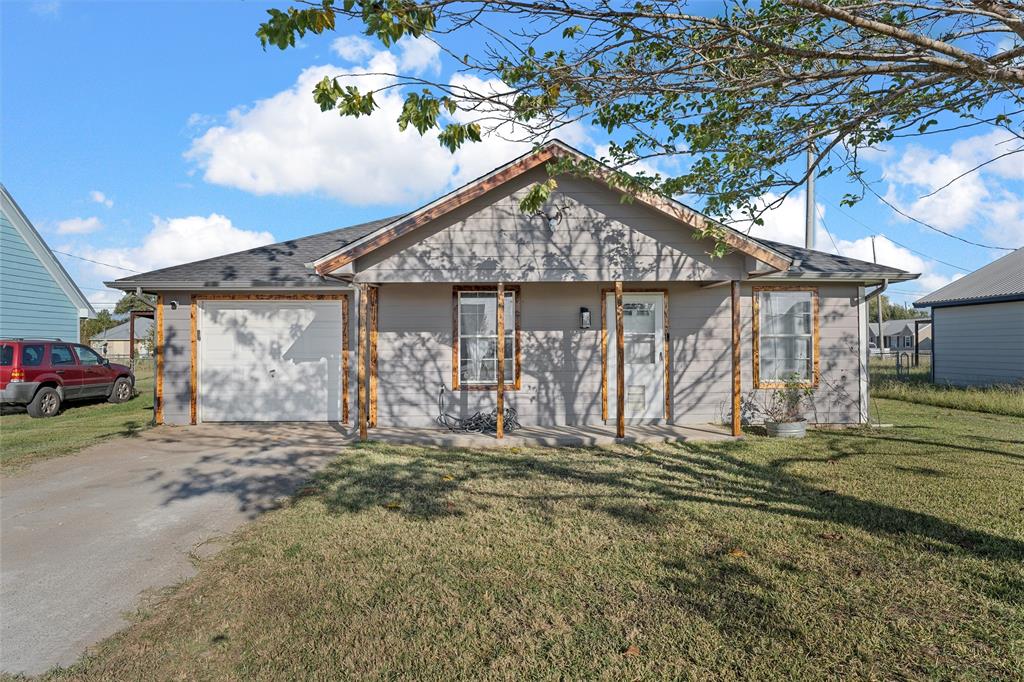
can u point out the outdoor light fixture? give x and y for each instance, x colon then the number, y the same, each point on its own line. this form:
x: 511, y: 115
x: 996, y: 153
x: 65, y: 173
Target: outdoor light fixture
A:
x: 552, y: 215
x: 584, y: 318
x: 174, y: 305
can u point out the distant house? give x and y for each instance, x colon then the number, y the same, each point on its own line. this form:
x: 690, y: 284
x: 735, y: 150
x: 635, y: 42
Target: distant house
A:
x: 114, y: 342
x: 38, y: 298
x: 978, y: 330
x: 898, y: 335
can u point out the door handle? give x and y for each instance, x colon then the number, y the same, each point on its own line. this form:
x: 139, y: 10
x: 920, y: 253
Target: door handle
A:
x: 60, y: 371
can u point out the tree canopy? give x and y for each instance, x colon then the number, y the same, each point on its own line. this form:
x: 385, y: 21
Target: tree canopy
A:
x: 740, y: 96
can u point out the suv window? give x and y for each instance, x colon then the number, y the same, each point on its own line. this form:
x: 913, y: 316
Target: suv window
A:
x: 61, y: 355
x: 6, y: 356
x: 32, y: 356
x: 88, y: 356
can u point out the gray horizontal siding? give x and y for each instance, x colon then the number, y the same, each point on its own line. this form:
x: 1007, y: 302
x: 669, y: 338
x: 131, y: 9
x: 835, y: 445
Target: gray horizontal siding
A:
x: 597, y: 239
x: 32, y: 304
x: 979, y: 344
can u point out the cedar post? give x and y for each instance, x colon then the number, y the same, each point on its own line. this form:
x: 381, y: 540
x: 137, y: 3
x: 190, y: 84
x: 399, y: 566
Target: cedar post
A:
x: 372, y: 410
x: 131, y: 340
x: 620, y: 366
x: 499, y: 429
x: 361, y: 360
x: 158, y: 388
x: 736, y: 384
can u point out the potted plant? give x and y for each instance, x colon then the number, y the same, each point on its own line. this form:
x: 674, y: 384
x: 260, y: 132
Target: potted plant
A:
x: 783, y: 409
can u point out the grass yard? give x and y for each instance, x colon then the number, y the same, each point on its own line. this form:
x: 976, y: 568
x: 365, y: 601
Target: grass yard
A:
x: 24, y: 439
x: 1006, y: 400
x: 894, y: 553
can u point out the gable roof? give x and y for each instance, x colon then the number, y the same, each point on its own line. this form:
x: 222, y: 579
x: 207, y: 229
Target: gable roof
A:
x: 549, y: 152
x: 274, y: 265
x: 894, y: 327
x: 1000, y: 280
x: 42, y: 252
x: 121, y: 332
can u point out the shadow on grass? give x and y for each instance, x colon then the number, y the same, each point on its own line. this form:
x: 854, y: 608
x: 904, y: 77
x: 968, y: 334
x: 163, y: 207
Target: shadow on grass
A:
x: 416, y: 484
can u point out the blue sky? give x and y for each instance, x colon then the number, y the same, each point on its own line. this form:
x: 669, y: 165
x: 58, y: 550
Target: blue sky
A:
x: 143, y: 134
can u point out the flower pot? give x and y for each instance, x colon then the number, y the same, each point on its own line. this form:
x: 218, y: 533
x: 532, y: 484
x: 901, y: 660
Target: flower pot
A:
x: 787, y: 429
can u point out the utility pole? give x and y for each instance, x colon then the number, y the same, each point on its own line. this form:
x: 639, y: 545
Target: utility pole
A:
x: 809, y: 219
x: 881, y: 344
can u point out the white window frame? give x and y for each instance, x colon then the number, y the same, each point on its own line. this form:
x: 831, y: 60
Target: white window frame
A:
x: 774, y: 382
x: 511, y: 329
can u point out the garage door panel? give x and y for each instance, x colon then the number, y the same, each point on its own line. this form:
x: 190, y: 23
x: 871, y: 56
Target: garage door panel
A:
x: 270, y: 361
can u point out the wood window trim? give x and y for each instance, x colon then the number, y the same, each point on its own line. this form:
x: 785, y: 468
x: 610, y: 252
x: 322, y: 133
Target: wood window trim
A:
x: 342, y: 297
x: 604, y: 345
x: 517, y: 359
x: 815, y: 335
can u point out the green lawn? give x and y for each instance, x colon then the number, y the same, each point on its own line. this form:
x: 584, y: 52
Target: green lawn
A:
x: 916, y: 387
x: 881, y: 554
x: 24, y: 439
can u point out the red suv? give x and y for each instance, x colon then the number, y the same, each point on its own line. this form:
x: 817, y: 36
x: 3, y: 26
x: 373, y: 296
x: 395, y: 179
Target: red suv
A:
x: 43, y: 374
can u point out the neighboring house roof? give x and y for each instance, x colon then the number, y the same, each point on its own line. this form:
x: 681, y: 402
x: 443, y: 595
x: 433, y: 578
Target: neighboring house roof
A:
x: 42, y: 252
x: 121, y: 332
x: 275, y: 265
x: 306, y: 261
x: 1000, y: 280
x: 895, y: 327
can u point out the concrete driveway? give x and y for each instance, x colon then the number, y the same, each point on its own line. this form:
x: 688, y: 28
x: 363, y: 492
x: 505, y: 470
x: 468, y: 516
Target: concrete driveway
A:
x: 83, y: 537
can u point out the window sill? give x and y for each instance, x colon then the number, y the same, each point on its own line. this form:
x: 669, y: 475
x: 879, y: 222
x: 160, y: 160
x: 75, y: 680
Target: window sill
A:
x: 485, y: 387
x: 783, y: 384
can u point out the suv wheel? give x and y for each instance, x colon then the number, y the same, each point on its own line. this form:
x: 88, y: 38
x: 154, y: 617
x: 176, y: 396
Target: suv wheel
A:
x: 46, y: 403
x: 121, y: 392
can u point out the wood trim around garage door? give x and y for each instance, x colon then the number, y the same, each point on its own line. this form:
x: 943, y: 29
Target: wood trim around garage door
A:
x: 667, y: 346
x: 194, y: 346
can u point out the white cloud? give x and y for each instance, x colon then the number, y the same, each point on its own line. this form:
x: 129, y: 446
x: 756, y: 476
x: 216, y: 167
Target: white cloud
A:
x: 173, y: 241
x: 79, y: 225
x: 285, y: 145
x: 786, y: 224
x: 987, y: 200
x: 101, y: 198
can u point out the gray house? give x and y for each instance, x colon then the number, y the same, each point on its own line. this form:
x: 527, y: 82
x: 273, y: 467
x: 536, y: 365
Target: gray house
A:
x: 38, y: 298
x: 595, y: 311
x: 116, y: 341
x: 979, y: 325
x: 900, y: 335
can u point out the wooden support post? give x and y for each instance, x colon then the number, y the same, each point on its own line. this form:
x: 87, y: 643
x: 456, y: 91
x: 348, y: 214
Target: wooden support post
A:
x: 361, y: 359
x: 499, y: 431
x: 620, y: 366
x: 374, y: 292
x: 131, y: 340
x: 736, y: 381
x: 158, y: 398
x: 194, y: 371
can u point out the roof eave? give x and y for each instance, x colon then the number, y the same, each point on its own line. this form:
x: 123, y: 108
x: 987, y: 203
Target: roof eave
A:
x: 861, y: 277
x: 978, y: 300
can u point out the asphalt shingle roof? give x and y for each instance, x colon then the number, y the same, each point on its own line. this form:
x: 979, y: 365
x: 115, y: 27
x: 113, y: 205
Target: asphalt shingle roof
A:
x: 1000, y: 280
x: 274, y: 265
x: 820, y: 262
x: 283, y: 264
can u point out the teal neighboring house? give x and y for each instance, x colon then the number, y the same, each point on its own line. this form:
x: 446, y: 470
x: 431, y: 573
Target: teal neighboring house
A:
x: 38, y: 298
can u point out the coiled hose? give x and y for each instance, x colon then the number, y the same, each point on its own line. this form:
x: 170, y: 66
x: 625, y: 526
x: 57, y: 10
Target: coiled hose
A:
x: 479, y: 422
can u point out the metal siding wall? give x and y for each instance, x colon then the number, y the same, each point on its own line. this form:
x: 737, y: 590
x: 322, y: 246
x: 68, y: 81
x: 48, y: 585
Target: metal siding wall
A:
x: 963, y: 331
x: 31, y: 303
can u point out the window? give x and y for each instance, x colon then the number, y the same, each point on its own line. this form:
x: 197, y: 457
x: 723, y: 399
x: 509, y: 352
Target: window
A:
x: 476, y: 334
x: 6, y: 356
x: 908, y: 341
x: 88, y: 356
x: 61, y: 355
x: 31, y: 356
x: 785, y: 336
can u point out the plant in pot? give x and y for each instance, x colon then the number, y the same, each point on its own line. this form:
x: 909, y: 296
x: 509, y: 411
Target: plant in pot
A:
x: 784, y: 409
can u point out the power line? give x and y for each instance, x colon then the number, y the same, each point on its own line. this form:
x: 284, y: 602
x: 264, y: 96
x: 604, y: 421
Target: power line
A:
x: 827, y: 231
x: 932, y: 227
x: 908, y: 248
x: 90, y: 260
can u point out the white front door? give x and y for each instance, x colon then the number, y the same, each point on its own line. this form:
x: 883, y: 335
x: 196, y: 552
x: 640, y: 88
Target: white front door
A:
x: 269, y: 361
x: 644, y: 353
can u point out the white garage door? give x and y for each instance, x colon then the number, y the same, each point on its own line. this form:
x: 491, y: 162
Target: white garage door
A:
x: 269, y: 361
